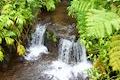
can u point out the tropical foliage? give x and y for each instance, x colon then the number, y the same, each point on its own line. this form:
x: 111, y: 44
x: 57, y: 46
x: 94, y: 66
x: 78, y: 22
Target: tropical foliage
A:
x: 14, y: 15
x: 114, y: 53
x: 98, y: 23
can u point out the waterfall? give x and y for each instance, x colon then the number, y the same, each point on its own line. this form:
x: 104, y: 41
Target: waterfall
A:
x: 70, y: 51
x: 79, y: 52
x: 38, y: 36
x: 72, y: 62
x: 37, y: 47
x: 65, y: 48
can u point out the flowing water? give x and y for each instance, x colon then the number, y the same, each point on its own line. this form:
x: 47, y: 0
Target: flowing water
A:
x: 65, y: 48
x: 79, y: 52
x: 37, y: 47
x: 70, y: 63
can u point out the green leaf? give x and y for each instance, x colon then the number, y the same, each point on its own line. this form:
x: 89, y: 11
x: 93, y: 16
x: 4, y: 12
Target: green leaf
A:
x: 20, y: 49
x: 9, y: 40
x: 20, y: 20
x: 6, y: 9
x: 1, y: 56
x: 78, y: 7
x: 17, y: 32
x: 114, y: 53
x: 9, y: 22
x: 10, y: 34
x: 0, y: 40
x: 1, y: 25
x: 101, y: 23
x: 50, y: 5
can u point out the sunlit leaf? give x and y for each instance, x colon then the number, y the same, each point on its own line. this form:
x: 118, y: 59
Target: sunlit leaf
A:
x: 10, y: 34
x: 9, y: 40
x: 101, y: 23
x: 10, y: 22
x: 20, y: 49
x: 114, y: 53
x: 1, y: 56
x: 6, y: 9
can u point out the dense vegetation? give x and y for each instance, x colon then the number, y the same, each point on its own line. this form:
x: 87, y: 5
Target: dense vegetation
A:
x: 98, y: 22
x: 14, y: 15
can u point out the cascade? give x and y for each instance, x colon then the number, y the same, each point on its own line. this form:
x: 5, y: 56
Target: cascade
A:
x: 37, y: 47
x: 70, y: 51
x: 65, y: 48
x: 72, y: 62
x: 79, y: 52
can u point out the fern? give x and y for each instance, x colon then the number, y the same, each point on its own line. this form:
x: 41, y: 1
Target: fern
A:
x: 50, y: 5
x: 78, y: 9
x: 101, y: 23
x: 80, y: 6
x: 114, y: 53
x: 97, y: 21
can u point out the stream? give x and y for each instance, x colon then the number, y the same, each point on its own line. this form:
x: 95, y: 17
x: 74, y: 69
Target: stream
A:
x: 45, y: 60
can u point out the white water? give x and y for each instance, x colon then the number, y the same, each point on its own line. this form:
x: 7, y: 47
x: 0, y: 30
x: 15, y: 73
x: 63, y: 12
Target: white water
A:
x: 69, y: 52
x: 37, y: 47
x: 79, y: 52
x: 62, y: 71
x: 65, y: 48
x: 72, y: 62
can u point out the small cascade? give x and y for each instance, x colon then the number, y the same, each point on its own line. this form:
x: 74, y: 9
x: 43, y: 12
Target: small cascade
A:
x: 65, y: 48
x: 38, y: 36
x: 72, y: 62
x: 79, y: 52
x: 37, y: 47
x: 70, y: 51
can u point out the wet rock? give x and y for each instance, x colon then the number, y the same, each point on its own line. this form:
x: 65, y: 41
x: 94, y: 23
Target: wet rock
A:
x: 72, y: 29
x: 60, y: 31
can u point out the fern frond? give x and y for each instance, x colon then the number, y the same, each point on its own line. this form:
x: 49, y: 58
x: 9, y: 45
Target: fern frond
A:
x: 50, y: 4
x: 114, y: 53
x: 115, y: 60
x: 101, y: 23
x: 114, y: 49
x: 115, y: 44
x: 80, y: 6
x: 116, y: 37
